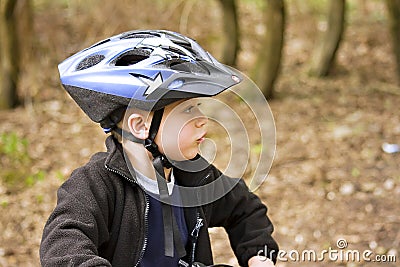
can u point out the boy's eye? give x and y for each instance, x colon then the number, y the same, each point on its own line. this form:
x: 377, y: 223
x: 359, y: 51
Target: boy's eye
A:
x: 190, y: 108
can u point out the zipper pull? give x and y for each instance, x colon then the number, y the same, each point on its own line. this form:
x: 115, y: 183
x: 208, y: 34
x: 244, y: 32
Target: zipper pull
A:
x: 194, y: 235
x: 196, y: 230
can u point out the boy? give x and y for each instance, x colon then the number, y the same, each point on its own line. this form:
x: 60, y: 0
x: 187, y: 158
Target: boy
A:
x: 149, y: 199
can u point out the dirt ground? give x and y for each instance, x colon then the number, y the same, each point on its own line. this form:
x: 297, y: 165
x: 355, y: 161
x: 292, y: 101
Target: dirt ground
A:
x: 330, y: 180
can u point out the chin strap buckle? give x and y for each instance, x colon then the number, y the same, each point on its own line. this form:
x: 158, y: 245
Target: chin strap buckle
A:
x: 152, y: 147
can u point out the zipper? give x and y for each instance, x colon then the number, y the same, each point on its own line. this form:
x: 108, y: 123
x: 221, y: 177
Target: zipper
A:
x: 204, y: 179
x: 195, y: 235
x: 120, y: 173
x: 200, y: 183
x: 146, y: 212
x: 146, y: 226
x: 199, y: 223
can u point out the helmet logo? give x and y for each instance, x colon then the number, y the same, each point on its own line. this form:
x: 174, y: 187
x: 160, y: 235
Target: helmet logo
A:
x: 236, y: 79
x: 152, y: 84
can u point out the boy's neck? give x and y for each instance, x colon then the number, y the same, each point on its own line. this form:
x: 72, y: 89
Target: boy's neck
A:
x: 167, y: 174
x: 141, y: 160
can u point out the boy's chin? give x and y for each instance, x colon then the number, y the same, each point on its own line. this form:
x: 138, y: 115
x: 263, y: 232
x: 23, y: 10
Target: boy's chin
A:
x: 188, y: 156
x: 192, y: 155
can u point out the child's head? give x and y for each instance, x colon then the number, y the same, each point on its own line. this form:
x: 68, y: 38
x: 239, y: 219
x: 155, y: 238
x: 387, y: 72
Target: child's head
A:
x: 160, y: 73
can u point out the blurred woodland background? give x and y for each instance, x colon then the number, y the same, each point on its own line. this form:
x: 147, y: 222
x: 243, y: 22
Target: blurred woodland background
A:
x: 330, y: 69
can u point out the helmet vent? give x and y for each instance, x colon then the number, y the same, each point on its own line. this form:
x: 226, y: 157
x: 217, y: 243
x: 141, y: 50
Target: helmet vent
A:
x: 176, y: 51
x: 130, y: 35
x: 89, y: 61
x: 180, y: 52
x: 183, y: 66
x: 176, y: 39
x: 132, y: 57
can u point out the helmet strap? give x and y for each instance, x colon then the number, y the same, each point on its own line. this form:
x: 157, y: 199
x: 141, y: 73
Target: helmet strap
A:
x: 150, y: 144
x: 172, y: 237
x: 128, y: 135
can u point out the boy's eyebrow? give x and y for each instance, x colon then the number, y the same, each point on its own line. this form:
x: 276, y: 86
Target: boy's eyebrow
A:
x: 189, y: 103
x: 192, y: 105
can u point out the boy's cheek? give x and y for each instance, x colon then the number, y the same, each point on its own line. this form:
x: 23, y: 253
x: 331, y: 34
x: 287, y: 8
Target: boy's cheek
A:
x: 179, y: 150
x: 178, y: 143
x: 171, y: 148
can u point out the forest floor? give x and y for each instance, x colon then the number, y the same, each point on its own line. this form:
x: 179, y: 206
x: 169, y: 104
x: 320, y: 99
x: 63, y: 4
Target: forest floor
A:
x: 330, y: 178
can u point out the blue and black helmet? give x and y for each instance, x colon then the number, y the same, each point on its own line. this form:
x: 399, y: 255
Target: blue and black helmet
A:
x: 147, y: 69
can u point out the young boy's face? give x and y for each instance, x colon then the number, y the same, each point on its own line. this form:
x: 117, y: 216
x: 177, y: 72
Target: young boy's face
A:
x: 182, y: 130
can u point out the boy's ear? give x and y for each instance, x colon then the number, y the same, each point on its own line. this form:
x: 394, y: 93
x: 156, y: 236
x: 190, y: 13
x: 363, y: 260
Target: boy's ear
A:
x: 138, y: 126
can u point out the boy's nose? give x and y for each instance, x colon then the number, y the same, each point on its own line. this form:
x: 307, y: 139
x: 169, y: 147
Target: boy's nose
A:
x: 201, y: 121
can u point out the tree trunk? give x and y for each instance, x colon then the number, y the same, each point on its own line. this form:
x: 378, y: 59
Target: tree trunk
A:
x: 230, y: 31
x: 325, y: 56
x: 269, y: 56
x: 25, y: 30
x: 9, y: 55
x: 393, y: 8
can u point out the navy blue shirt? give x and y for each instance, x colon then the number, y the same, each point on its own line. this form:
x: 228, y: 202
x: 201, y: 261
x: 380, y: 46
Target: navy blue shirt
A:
x: 154, y: 253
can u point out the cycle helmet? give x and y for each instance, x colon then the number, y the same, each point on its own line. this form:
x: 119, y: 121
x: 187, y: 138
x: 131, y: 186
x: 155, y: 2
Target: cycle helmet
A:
x: 149, y: 69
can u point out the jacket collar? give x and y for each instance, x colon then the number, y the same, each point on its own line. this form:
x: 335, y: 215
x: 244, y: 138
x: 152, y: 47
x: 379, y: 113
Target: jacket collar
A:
x: 115, y: 160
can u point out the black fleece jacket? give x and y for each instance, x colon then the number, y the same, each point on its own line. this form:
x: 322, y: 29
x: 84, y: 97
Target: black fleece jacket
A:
x: 101, y: 217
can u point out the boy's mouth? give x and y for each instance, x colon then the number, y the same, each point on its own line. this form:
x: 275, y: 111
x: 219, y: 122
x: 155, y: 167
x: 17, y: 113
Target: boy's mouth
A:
x: 202, y: 138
